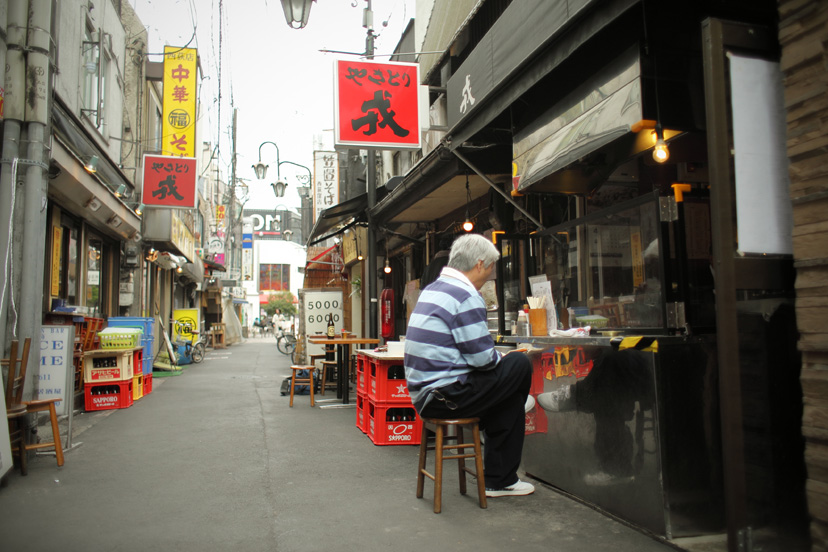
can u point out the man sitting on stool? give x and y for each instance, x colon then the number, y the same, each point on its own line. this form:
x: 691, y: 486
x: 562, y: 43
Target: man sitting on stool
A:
x: 454, y: 371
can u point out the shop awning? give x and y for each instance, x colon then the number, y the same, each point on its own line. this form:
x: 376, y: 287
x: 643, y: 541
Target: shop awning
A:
x: 532, y: 38
x: 603, y: 109
x: 436, y: 185
x: 73, y: 188
x: 193, y: 271
x: 327, y: 259
x: 336, y: 219
x: 213, y: 266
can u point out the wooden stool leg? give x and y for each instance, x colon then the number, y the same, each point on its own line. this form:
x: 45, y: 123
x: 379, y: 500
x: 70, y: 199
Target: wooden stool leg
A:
x: 310, y: 383
x: 324, y: 380
x: 461, y: 462
x: 292, y: 387
x: 56, y: 434
x: 438, y: 470
x: 422, y: 463
x: 478, y: 464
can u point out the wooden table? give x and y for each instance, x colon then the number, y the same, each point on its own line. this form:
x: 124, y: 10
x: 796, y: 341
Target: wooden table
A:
x: 343, y: 354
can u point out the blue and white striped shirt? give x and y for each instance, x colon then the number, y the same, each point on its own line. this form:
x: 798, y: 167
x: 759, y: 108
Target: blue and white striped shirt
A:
x: 447, y: 336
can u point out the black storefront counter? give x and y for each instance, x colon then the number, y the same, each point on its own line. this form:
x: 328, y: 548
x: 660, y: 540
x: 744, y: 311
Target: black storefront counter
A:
x: 639, y: 435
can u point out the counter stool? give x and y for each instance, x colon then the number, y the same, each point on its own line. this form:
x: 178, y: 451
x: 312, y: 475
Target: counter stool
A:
x: 302, y: 380
x: 440, y: 429
x: 324, y: 383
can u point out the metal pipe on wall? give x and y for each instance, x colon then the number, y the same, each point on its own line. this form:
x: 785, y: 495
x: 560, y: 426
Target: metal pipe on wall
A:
x: 38, y: 92
x: 14, y: 111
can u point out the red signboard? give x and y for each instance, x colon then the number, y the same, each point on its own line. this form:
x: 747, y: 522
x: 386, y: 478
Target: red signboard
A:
x: 169, y: 181
x: 377, y: 104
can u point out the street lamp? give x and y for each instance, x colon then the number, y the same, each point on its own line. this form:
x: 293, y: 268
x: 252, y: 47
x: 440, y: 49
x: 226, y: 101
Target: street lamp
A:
x: 297, y: 12
x: 261, y: 168
x: 279, y: 188
x: 310, y: 175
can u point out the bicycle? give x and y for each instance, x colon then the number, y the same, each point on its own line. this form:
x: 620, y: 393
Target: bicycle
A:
x: 285, y: 342
x: 199, y: 347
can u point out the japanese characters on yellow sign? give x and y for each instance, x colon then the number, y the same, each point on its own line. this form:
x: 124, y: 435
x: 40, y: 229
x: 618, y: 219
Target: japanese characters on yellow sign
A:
x: 180, y: 90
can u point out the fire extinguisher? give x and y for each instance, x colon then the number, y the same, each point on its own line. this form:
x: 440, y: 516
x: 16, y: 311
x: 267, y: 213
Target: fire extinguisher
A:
x: 387, y: 312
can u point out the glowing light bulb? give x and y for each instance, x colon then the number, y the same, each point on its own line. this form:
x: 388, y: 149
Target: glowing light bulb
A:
x: 660, y: 152
x: 468, y: 226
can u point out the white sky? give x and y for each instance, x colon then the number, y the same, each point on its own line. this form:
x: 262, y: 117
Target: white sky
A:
x: 275, y: 76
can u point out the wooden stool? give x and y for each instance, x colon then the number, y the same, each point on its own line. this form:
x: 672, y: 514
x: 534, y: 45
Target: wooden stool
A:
x: 17, y: 408
x: 302, y: 380
x: 327, y: 365
x: 217, y: 335
x: 439, y: 427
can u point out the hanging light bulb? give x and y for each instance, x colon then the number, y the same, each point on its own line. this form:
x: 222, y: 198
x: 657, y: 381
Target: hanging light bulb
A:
x: 387, y: 268
x: 660, y: 151
x: 468, y: 225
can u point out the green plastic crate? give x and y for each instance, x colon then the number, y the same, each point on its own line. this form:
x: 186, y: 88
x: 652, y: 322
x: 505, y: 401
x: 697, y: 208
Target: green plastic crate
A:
x: 120, y: 338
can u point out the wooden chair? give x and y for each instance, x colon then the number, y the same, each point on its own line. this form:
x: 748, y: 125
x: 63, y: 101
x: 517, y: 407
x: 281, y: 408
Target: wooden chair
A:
x: 301, y: 380
x: 17, y: 408
x: 326, y: 365
x: 439, y: 427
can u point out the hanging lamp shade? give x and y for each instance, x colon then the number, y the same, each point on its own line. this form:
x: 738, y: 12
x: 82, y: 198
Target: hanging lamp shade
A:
x: 297, y: 12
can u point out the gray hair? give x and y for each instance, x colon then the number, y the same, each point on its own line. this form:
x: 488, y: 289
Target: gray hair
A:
x: 467, y: 250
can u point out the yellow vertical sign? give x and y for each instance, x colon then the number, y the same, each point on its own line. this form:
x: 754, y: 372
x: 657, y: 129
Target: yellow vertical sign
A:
x: 180, y: 90
x: 57, y: 247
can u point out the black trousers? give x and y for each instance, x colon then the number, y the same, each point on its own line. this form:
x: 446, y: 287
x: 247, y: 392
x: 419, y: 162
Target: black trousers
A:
x: 498, y: 398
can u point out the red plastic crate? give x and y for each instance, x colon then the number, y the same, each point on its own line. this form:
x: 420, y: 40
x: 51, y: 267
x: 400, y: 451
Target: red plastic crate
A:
x: 147, y: 384
x: 361, y: 411
x: 381, y: 388
x: 383, y: 431
x: 116, y: 394
x: 362, y: 373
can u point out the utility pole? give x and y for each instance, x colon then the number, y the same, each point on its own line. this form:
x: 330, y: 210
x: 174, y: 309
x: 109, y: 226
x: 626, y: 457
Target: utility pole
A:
x: 231, y: 231
x: 371, y: 183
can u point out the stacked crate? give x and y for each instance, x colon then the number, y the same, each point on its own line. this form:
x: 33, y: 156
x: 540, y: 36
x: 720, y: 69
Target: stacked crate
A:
x: 108, y: 378
x: 146, y: 326
x: 388, y: 416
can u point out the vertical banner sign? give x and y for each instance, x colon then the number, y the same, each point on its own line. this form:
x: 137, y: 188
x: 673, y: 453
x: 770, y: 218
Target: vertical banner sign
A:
x: 247, y: 249
x: 376, y: 104
x: 217, y: 243
x: 325, y: 181
x: 57, y: 233
x: 316, y: 306
x: 169, y: 182
x: 180, y: 90
x: 56, y: 377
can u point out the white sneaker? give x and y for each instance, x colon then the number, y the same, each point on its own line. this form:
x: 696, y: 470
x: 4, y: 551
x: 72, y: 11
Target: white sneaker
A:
x: 521, y: 488
x: 530, y: 404
x: 556, y: 400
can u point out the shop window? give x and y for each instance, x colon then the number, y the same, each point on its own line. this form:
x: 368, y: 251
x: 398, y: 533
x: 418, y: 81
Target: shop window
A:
x: 274, y: 277
x: 96, y: 61
x: 94, y: 280
x: 65, y: 257
x: 154, y: 127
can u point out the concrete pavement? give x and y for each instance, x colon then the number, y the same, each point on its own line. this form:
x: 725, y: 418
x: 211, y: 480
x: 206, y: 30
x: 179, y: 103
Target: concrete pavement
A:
x: 214, y: 459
